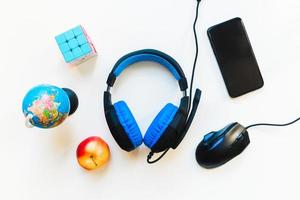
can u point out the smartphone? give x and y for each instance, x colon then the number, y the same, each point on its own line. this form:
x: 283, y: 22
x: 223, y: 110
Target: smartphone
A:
x: 235, y: 57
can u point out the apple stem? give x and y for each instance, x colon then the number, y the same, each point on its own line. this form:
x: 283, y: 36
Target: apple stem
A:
x: 92, y: 157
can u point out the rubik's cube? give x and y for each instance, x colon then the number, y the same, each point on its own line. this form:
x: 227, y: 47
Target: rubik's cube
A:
x: 75, y: 46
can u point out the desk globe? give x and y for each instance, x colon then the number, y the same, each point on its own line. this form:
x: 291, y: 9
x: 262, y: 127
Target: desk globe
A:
x: 47, y: 106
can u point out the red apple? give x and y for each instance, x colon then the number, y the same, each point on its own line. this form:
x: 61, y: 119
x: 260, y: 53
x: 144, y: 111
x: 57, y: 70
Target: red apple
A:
x: 92, y: 153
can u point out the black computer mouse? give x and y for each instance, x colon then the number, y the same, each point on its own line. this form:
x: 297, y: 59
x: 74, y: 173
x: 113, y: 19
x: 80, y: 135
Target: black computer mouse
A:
x: 219, y: 147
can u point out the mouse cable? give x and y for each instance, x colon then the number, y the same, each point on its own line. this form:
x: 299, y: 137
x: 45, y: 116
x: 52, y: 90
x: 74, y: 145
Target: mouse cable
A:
x: 266, y: 124
x: 191, y: 84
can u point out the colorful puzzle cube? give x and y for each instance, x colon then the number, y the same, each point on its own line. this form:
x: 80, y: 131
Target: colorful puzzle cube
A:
x: 76, y: 46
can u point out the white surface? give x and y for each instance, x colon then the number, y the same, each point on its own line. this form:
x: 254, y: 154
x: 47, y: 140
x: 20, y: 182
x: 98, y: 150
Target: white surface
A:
x: 41, y: 164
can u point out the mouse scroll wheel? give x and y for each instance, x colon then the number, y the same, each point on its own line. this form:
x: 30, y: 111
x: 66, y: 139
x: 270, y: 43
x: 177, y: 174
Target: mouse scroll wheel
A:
x: 241, y: 136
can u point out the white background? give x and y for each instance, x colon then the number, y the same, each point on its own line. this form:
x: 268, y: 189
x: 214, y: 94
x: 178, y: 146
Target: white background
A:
x: 41, y: 164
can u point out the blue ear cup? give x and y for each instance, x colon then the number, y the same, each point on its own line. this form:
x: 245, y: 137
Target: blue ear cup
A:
x: 129, y: 123
x: 160, y: 124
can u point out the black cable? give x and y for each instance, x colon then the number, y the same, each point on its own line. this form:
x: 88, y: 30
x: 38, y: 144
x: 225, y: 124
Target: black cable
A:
x: 266, y: 124
x: 196, y: 54
x: 191, y: 84
x: 154, y: 161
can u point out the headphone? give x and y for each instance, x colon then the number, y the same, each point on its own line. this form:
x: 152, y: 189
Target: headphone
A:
x: 169, y: 126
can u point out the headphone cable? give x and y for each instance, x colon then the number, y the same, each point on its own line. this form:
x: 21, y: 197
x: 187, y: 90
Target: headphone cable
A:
x: 191, y: 84
x: 266, y: 124
x: 196, y: 54
x: 160, y: 157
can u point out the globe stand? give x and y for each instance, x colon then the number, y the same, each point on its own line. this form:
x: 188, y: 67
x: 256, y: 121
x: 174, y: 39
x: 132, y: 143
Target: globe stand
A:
x: 73, y: 100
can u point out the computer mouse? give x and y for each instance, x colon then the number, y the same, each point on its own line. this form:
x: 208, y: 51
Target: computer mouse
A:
x: 219, y: 147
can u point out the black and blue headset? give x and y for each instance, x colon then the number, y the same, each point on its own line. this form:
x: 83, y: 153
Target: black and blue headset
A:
x: 170, y: 125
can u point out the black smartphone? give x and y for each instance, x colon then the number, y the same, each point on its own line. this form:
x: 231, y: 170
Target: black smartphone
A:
x: 235, y: 57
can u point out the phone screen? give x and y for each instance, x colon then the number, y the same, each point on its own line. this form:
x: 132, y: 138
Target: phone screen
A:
x: 235, y: 57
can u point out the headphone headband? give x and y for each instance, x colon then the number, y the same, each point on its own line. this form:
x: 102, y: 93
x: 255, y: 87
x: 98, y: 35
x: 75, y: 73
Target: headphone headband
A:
x: 148, y: 55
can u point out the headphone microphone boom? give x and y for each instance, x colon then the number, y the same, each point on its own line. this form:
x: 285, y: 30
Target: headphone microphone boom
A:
x: 196, y: 101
